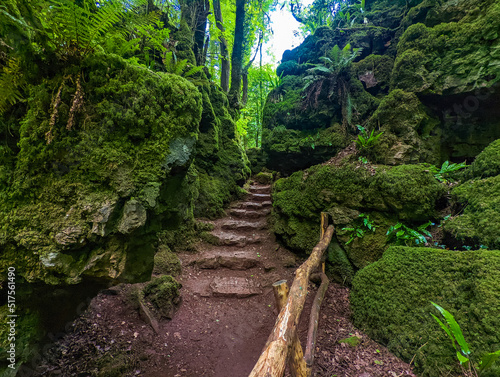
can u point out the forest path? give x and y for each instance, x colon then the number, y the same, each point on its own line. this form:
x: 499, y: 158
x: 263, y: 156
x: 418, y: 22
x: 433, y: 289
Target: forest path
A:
x: 226, y: 315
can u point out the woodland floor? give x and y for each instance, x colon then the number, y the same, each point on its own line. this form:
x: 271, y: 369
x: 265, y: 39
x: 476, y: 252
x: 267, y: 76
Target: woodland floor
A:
x: 226, y: 314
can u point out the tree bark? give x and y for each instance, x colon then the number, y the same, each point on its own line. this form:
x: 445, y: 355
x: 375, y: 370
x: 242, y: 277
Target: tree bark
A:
x: 273, y: 359
x: 237, y: 55
x: 224, y: 54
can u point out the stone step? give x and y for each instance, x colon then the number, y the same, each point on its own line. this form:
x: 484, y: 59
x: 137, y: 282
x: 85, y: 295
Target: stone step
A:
x: 259, y: 197
x: 242, y: 225
x: 234, y: 287
x: 253, y: 205
x: 234, y: 260
x: 249, y: 214
x: 260, y: 189
x: 231, y: 239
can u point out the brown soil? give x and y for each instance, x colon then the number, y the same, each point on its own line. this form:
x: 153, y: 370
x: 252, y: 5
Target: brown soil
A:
x: 225, y: 317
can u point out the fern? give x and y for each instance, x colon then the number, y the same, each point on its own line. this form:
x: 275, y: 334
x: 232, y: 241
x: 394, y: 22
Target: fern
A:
x: 175, y: 67
x: 11, y: 82
x: 77, y: 29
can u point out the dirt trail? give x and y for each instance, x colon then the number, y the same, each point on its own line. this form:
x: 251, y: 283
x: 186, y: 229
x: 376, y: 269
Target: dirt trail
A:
x: 226, y: 315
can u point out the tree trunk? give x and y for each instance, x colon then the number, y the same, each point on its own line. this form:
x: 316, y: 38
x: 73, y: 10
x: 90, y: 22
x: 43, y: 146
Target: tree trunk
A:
x: 273, y: 359
x: 224, y: 55
x: 237, y: 55
x: 202, y: 11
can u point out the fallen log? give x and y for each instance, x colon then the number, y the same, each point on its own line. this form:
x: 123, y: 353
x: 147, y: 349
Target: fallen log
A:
x: 272, y: 361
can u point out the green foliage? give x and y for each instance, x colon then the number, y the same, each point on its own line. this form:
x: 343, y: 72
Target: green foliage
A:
x: 443, y: 174
x: 179, y: 67
x: 275, y: 81
x: 454, y: 332
x: 366, y: 141
x: 359, y: 231
x: 400, y: 234
x: 332, y: 77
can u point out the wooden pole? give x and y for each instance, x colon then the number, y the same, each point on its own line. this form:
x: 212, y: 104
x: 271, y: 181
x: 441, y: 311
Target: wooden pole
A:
x: 313, y: 322
x: 296, y: 362
x: 318, y: 299
x: 272, y: 361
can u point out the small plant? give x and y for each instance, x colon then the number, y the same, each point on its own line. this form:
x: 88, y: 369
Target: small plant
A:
x: 454, y: 332
x: 179, y: 67
x: 442, y: 174
x: 400, y: 234
x: 366, y: 226
x: 274, y: 80
x: 363, y: 160
x: 365, y: 140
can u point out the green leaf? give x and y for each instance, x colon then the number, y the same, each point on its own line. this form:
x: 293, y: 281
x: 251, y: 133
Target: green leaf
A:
x: 488, y: 360
x: 455, y: 329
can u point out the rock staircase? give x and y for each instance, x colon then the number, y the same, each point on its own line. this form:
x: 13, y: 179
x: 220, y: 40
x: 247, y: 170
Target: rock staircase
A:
x: 239, y: 238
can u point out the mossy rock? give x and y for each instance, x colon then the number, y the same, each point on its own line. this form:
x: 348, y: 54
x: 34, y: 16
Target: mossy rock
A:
x: 166, y: 262
x: 163, y: 293
x: 257, y: 158
x: 375, y: 73
x: 487, y: 163
x: 291, y: 150
x: 410, y: 133
x: 391, y: 302
x: 450, y: 57
x: 221, y: 163
x: 479, y: 223
x: 264, y: 178
x: 408, y: 193
x: 72, y: 190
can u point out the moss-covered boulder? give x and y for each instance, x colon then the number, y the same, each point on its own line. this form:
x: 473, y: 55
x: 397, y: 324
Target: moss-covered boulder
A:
x: 163, y: 294
x: 408, y: 193
x: 166, y: 262
x: 83, y: 194
x: 410, y: 132
x: 487, y: 163
x: 391, y: 302
x: 479, y: 223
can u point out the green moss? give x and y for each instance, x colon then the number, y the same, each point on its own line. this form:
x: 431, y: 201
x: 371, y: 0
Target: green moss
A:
x: 487, y: 163
x: 27, y: 334
x: 264, y: 178
x: 257, y: 158
x: 353, y: 341
x: 163, y: 293
x: 290, y: 150
x: 411, y: 134
x: 391, y: 302
x: 479, y: 223
x: 134, y: 136
x: 221, y: 162
x: 450, y: 57
x: 408, y: 192
x: 375, y: 72
x: 166, y: 262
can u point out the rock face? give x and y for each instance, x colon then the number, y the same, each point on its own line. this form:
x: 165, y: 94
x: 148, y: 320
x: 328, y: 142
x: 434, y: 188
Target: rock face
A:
x: 391, y: 302
x: 478, y: 225
x: 429, y: 69
x: 87, y: 202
